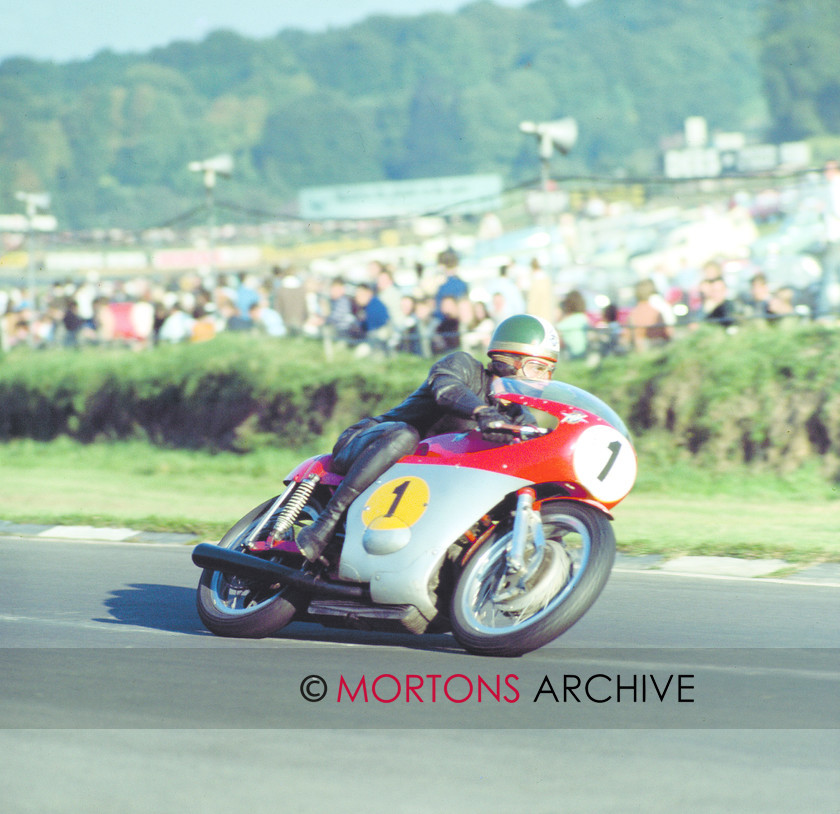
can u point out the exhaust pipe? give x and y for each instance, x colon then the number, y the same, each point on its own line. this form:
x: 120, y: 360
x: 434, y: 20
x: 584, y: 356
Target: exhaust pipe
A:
x: 238, y: 564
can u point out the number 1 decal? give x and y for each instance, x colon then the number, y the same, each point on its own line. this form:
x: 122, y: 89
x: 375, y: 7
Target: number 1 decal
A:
x: 398, y: 496
x: 614, y: 448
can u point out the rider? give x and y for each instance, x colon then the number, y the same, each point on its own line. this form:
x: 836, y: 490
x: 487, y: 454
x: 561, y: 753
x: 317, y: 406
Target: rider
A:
x: 455, y: 397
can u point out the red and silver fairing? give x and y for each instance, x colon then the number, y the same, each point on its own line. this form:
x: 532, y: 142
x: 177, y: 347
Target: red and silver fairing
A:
x: 400, y: 528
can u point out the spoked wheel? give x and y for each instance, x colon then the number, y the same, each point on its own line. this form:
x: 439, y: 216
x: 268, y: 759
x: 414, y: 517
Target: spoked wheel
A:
x: 495, y: 613
x: 233, y: 606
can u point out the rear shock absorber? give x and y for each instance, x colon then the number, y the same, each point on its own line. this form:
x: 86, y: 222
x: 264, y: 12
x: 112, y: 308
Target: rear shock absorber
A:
x: 292, y: 508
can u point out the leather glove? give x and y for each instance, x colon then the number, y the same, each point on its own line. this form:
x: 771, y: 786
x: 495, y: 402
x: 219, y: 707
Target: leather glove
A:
x: 489, y: 419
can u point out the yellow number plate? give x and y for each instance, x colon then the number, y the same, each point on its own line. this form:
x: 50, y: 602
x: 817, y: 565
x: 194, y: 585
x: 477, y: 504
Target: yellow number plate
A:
x: 396, y: 504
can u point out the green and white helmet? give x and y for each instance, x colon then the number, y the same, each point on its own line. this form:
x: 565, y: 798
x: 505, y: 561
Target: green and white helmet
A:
x: 526, y: 335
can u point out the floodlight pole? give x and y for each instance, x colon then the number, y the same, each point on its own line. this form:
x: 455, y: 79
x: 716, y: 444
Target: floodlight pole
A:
x: 209, y: 178
x: 210, y: 169
x: 546, y: 150
x: 32, y: 201
x: 561, y: 135
x: 210, y: 202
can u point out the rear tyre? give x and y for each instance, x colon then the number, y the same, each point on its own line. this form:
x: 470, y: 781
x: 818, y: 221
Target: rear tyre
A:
x: 232, y: 606
x: 491, y: 615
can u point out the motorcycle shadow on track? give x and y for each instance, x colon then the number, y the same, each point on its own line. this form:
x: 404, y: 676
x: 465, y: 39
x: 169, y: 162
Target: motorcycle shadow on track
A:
x: 171, y: 608
x: 158, y: 607
x: 432, y: 643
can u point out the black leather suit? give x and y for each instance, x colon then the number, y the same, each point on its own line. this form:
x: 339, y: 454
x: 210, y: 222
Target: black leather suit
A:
x: 455, y: 387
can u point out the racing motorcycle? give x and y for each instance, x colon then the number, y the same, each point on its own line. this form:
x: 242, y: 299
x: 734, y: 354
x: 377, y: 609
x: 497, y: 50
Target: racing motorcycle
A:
x: 504, y: 545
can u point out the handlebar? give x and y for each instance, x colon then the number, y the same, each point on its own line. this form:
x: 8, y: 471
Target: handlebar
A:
x: 521, y: 432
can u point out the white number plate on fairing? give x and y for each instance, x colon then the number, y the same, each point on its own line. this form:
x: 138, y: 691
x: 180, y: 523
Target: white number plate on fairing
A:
x: 604, y: 463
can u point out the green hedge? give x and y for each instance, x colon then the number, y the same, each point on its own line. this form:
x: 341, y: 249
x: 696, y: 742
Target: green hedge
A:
x: 235, y: 392
x: 767, y: 396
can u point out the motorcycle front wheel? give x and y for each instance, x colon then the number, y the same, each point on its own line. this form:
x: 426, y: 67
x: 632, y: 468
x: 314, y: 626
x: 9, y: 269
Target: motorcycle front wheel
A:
x: 496, y: 615
x: 232, y: 606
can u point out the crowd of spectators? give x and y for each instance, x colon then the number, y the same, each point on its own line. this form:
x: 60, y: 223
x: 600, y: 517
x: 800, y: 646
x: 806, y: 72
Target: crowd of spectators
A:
x: 432, y: 311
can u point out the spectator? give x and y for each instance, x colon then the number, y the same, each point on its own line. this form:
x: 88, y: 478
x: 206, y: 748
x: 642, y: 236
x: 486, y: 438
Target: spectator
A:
x: 717, y: 307
x: 781, y: 303
x: 390, y: 296
x: 453, y: 286
x: 512, y: 301
x: 646, y: 323
x: 178, y: 325
x: 17, y: 329
x: 447, y: 335
x: 407, y: 311
x: 340, y: 320
x: 828, y: 296
x: 476, y: 326
x: 124, y: 321
x: 86, y: 296
x: 229, y: 317
x: 372, y: 319
x: 498, y: 306
x: 540, y: 294
x: 42, y: 329
x: 374, y: 268
x: 159, y: 315
x: 420, y: 328
x: 204, y: 326
x: 266, y: 319
x: 313, y: 288
x: 610, y: 333
x: 289, y: 299
x: 246, y: 295
x: 759, y: 300
x: 573, y: 326
x: 72, y: 323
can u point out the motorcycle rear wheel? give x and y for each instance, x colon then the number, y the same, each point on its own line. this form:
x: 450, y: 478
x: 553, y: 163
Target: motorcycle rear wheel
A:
x: 489, y: 616
x: 232, y: 606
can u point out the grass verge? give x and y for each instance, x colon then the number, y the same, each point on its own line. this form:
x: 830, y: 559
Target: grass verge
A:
x: 675, y: 509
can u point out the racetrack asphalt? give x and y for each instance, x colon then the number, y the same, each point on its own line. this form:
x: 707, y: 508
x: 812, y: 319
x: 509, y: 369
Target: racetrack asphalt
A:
x: 827, y: 573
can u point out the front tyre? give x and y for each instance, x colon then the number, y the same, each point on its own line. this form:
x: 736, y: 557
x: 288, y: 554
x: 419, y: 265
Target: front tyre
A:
x: 232, y: 606
x: 496, y: 616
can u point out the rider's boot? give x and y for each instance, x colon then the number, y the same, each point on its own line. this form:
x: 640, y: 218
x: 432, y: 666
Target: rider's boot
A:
x: 391, y: 441
x: 314, y: 538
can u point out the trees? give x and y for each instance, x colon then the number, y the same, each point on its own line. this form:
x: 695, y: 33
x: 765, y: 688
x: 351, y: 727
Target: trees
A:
x: 801, y: 67
x: 409, y: 97
x: 317, y: 139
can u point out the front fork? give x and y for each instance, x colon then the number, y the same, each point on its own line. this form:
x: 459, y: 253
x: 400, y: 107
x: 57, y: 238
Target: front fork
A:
x: 527, y: 528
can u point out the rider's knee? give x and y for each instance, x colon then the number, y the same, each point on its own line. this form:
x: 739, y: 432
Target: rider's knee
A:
x: 403, y: 439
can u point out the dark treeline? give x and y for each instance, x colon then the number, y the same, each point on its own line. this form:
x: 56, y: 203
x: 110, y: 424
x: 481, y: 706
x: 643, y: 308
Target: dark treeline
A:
x: 409, y: 97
